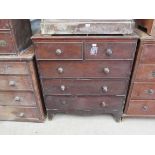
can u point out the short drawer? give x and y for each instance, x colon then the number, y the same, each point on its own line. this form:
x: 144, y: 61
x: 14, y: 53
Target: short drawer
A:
x: 141, y: 107
x: 143, y: 91
x: 6, y: 43
x: 84, y: 87
x: 4, y: 24
x: 18, y: 113
x: 17, y: 99
x: 15, y: 83
x: 80, y: 69
x: 109, y: 50
x: 59, y: 50
x: 145, y: 72
x: 93, y: 103
x: 148, y: 54
x: 14, y: 68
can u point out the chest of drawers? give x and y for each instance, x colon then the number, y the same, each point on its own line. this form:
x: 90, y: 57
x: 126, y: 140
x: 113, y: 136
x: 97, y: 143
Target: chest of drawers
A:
x: 14, y: 35
x: 20, y: 97
x: 85, y: 74
x: 141, y: 98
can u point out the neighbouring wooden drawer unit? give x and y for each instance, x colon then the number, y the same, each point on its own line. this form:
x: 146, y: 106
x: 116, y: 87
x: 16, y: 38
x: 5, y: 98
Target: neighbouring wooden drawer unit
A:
x: 85, y: 74
x: 84, y: 87
x: 141, y: 96
x: 17, y: 98
x: 60, y: 50
x: 20, y: 95
x: 19, y: 114
x: 91, y: 103
x: 109, y: 50
x: 141, y: 107
x: 84, y: 69
x: 14, y: 35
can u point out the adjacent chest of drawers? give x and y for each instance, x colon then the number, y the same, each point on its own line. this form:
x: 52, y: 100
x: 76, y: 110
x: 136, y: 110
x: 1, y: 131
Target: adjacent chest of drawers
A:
x: 141, y: 98
x: 84, y: 74
x: 14, y: 35
x: 20, y: 98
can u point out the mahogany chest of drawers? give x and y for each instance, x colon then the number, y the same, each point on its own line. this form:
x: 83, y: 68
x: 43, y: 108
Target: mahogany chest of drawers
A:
x: 20, y: 98
x: 14, y: 35
x: 85, y: 74
x: 141, y: 98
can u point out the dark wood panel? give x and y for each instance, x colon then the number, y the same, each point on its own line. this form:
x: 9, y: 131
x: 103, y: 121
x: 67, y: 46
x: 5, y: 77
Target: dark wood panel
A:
x: 109, y: 50
x: 84, y: 87
x: 17, y: 99
x: 59, y: 50
x: 141, y: 107
x: 91, y: 69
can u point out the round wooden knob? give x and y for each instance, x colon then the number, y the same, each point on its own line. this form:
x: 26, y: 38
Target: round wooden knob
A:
x: 145, y: 108
x: 12, y: 83
x: 106, y: 70
x: 21, y: 114
x: 105, y: 89
x: 63, y: 102
x: 58, y: 52
x: 17, y: 98
x: 103, y: 104
x: 63, y: 87
x: 60, y: 70
x: 109, y: 52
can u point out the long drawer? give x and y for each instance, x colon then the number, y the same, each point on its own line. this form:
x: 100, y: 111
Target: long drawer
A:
x: 18, y: 113
x: 141, y: 107
x: 145, y: 73
x: 15, y: 83
x: 84, y: 69
x: 93, y: 103
x: 143, y: 91
x: 84, y: 87
x: 109, y: 50
x: 59, y: 50
x: 17, y: 99
x: 14, y: 68
x: 6, y: 43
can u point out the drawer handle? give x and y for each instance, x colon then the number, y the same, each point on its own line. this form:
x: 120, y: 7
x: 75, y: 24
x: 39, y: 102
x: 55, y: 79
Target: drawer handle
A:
x: 103, y: 104
x: 58, y: 52
x: 12, y: 83
x: 149, y: 91
x: 104, y: 89
x: 17, y: 98
x: 60, y: 70
x: 21, y: 114
x: 109, y: 52
x: 145, y: 108
x: 106, y: 70
x: 62, y: 87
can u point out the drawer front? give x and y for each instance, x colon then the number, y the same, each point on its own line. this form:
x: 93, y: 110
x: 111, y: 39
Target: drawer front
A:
x: 17, y: 99
x: 59, y: 50
x: 84, y: 87
x: 141, y: 107
x: 15, y: 83
x: 68, y: 103
x: 145, y: 72
x: 143, y: 91
x: 6, y: 44
x: 110, y: 50
x: 148, y: 54
x: 4, y: 24
x: 18, y: 113
x: 13, y: 68
x: 93, y: 69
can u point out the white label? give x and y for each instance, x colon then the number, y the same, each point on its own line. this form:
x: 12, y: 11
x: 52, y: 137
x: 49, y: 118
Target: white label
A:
x: 87, y: 25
